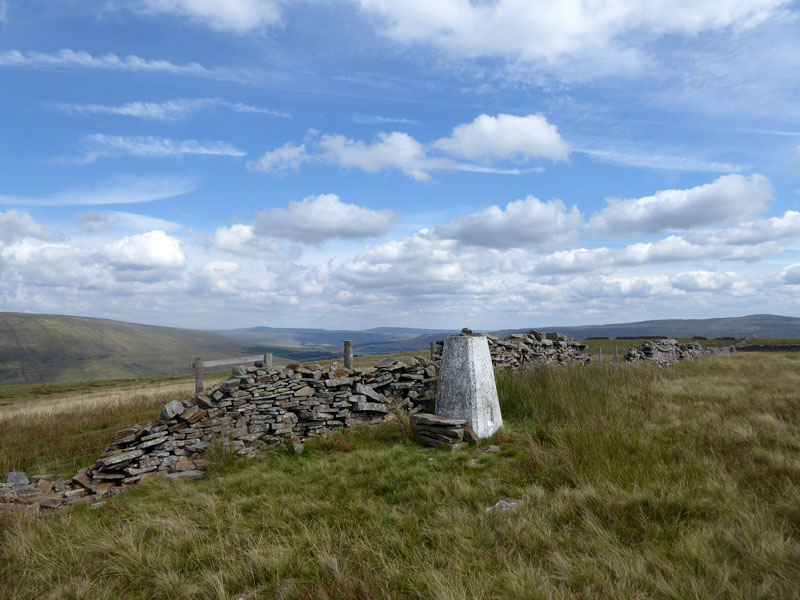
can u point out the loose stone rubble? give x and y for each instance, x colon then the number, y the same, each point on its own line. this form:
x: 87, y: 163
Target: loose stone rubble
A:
x: 436, y: 431
x: 664, y: 352
x: 254, y: 408
x: 520, y: 350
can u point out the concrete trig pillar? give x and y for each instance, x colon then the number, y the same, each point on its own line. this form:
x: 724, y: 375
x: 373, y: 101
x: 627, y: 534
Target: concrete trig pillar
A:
x: 467, y: 389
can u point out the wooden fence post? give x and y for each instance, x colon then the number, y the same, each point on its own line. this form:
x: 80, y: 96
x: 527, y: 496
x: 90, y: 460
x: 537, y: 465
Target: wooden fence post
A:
x: 348, y: 354
x: 600, y: 351
x: 268, y: 360
x: 198, y: 375
x: 433, y: 349
x: 616, y: 354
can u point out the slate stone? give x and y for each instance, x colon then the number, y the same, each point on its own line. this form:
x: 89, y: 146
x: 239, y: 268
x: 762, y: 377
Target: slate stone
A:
x: 338, y: 381
x: 119, y: 458
x: 172, y: 410
x: 367, y: 391
x: 17, y: 479
x: 436, y: 420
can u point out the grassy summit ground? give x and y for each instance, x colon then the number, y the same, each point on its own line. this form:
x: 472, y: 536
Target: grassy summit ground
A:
x: 635, y: 482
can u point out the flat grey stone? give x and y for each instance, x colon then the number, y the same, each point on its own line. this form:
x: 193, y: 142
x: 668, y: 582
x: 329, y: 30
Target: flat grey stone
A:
x: 17, y: 479
x: 367, y: 391
x: 172, y: 410
x: 436, y: 420
x: 119, y: 458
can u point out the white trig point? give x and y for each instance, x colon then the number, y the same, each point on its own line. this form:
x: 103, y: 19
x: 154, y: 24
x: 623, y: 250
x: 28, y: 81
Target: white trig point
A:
x: 467, y: 389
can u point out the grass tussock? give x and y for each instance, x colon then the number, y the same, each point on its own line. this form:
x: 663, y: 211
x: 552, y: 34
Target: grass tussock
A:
x: 635, y: 483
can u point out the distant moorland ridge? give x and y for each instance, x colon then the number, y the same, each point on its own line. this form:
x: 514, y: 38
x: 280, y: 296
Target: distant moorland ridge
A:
x: 38, y: 348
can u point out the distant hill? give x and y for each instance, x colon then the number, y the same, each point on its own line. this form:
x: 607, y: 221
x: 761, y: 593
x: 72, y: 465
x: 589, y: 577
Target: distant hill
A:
x: 366, y: 340
x: 55, y: 348
x: 764, y: 326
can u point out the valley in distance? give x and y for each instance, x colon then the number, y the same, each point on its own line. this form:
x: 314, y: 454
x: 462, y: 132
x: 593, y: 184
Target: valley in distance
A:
x: 39, y: 348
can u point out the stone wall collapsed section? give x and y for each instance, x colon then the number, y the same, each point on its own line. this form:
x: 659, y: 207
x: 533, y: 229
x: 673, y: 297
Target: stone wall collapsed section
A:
x: 664, y: 352
x: 254, y: 408
x: 520, y: 350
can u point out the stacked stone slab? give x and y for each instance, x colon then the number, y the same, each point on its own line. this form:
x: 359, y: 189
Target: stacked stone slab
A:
x: 664, y: 352
x: 436, y: 431
x: 254, y: 408
x: 520, y: 350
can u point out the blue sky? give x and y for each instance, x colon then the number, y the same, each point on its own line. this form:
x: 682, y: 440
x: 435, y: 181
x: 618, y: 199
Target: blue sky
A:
x: 345, y: 163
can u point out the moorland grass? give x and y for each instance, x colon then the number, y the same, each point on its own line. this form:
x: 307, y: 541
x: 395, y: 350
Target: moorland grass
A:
x: 636, y: 483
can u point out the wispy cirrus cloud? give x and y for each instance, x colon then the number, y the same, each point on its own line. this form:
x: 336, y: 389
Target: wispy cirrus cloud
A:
x: 378, y: 120
x: 652, y: 159
x: 122, y: 190
x: 237, y: 16
x: 169, y: 110
x: 71, y: 59
x: 100, y: 145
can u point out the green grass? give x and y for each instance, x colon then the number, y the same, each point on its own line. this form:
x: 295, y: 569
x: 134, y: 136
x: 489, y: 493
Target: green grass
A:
x: 636, y: 483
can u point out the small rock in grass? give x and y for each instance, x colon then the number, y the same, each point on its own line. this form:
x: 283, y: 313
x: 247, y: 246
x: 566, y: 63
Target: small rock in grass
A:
x: 473, y: 462
x: 493, y: 449
x: 505, y: 506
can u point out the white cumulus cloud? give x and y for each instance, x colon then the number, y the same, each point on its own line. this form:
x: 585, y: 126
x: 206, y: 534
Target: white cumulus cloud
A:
x: 542, y: 30
x: 396, y: 150
x: 151, y: 250
x: 16, y: 225
x: 528, y: 222
x: 288, y: 157
x: 505, y: 137
x: 703, y: 281
x: 319, y: 218
x: 791, y: 275
x: 728, y: 198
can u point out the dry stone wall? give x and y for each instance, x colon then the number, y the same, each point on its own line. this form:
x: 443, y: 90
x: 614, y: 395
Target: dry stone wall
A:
x: 664, y: 352
x: 520, y: 350
x: 254, y: 408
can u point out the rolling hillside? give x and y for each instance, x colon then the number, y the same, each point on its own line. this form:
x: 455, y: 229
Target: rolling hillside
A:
x: 55, y: 348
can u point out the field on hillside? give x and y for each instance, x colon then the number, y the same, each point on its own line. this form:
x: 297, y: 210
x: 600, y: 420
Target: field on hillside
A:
x: 635, y: 483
